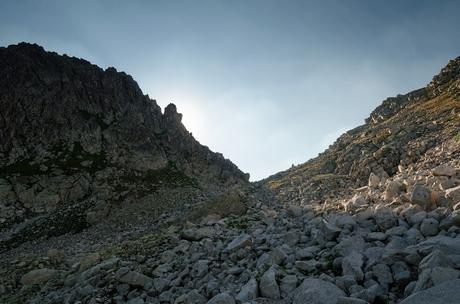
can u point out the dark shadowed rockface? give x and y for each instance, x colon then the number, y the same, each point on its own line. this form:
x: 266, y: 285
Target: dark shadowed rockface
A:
x: 79, y: 143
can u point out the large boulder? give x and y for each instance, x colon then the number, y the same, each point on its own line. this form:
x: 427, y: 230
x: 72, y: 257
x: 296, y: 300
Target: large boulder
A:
x: 133, y: 278
x: 421, y: 196
x: 268, y: 286
x: 240, y: 241
x: 384, y: 217
x: 352, y: 264
x: 445, y: 244
x: 249, y: 291
x: 445, y: 293
x: 222, y: 298
x: 316, y: 291
x: 38, y: 276
x: 443, y: 170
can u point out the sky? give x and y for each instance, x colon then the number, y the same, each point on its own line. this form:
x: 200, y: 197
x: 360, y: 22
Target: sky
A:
x: 267, y: 83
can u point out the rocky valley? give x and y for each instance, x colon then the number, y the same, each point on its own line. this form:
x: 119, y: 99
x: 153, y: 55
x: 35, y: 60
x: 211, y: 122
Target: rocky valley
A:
x: 107, y: 198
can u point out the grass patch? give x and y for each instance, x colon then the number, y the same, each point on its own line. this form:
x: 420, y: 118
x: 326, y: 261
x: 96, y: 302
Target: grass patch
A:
x: 320, y: 177
x: 223, y: 205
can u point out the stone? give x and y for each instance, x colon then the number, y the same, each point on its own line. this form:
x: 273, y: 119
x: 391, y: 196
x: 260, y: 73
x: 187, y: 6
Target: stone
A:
x: 373, y: 181
x: 288, y: 283
x: 307, y: 266
x: 443, y: 170
x: 352, y: 264
x: 133, y: 278
x: 392, y: 191
x: 383, y: 274
x: 249, y: 291
x: 307, y: 253
x: 346, y: 300
x: 89, y: 261
x: 316, y: 291
x: 401, y: 273
x: 370, y: 294
x: 294, y: 210
x: 384, y: 217
x: 201, y: 269
x: 222, y: 298
x: 421, y: 196
x: 278, y: 256
x: 241, y: 241
x: 194, y: 234
x: 38, y: 276
x: 268, y: 286
x: 442, y: 274
x: 417, y: 218
x: 329, y: 230
x: 349, y: 244
x: 451, y: 220
x: 453, y: 194
x: 55, y: 255
x: 357, y: 202
x: 446, y: 293
x: 445, y: 244
x: 376, y: 236
x: 429, y: 227
x: 192, y: 297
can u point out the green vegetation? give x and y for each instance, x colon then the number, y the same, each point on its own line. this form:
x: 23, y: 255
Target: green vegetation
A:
x: 223, y: 205
x: 63, y: 158
x: 145, y: 245
x: 167, y: 176
x: 320, y: 177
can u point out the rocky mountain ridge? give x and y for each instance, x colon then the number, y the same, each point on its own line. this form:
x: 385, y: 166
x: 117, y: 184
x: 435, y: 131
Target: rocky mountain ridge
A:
x: 397, y: 133
x: 80, y: 145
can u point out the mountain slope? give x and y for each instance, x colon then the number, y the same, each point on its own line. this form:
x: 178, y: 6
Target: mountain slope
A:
x: 397, y: 133
x: 80, y: 145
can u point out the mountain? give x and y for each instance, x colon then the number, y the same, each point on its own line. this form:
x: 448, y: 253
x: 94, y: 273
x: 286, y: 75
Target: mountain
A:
x: 395, y: 135
x: 79, y: 145
x: 105, y: 199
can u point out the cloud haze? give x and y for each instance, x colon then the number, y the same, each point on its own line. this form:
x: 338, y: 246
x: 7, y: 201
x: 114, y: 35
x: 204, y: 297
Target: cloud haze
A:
x: 267, y: 83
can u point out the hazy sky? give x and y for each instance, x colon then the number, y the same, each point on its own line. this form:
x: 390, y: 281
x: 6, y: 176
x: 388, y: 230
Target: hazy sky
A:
x: 267, y: 83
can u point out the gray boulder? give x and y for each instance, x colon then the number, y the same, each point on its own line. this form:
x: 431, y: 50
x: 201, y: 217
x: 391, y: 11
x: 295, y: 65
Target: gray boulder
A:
x: 268, y: 286
x: 249, y: 291
x: 222, y: 298
x: 240, y: 241
x: 316, y: 291
x: 352, y: 264
x: 133, y: 277
x: 445, y: 293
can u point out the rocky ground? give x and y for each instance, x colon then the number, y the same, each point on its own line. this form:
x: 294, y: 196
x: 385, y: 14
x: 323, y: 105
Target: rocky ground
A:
x: 395, y: 240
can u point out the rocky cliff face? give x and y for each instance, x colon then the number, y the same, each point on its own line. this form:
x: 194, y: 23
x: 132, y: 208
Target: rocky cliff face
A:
x: 78, y: 142
x: 396, y: 134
